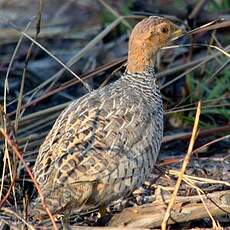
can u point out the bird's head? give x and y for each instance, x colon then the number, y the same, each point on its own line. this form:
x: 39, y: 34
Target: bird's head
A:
x: 147, y: 37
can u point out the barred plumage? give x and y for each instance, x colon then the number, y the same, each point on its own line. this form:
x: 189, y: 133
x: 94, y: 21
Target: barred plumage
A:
x: 105, y: 144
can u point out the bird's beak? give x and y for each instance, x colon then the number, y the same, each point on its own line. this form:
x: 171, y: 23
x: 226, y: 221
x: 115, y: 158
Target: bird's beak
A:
x: 177, y: 32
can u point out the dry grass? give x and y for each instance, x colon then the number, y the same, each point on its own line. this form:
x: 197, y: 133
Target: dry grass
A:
x: 184, y: 165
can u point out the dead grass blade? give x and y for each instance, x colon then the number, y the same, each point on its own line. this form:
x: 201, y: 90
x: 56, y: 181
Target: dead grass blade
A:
x: 6, y: 152
x: 72, y: 83
x: 18, y: 154
x: 188, y: 106
x: 217, y: 72
x: 215, y: 224
x: 207, y: 59
x: 197, y: 150
x: 183, y: 168
x: 224, y: 51
x: 8, y: 211
x: 210, y: 143
x: 202, y: 133
x: 58, y: 60
x: 200, y: 192
x: 5, y: 124
x: 193, y: 108
x: 6, y: 87
x: 29, y: 52
x: 197, y: 179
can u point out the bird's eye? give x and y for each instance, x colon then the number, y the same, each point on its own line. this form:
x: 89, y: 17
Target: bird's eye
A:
x: 164, y: 30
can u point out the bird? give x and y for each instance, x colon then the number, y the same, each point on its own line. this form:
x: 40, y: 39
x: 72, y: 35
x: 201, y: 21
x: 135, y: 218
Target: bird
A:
x: 104, y: 145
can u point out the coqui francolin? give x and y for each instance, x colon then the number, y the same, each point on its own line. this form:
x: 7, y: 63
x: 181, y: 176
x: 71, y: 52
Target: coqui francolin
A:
x: 105, y: 144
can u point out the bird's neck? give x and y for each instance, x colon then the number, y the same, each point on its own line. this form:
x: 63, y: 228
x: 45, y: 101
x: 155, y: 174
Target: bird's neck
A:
x: 146, y: 78
x: 143, y: 84
x: 140, y: 57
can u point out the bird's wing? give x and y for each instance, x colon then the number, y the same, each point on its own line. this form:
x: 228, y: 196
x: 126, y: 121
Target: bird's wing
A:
x: 90, y: 139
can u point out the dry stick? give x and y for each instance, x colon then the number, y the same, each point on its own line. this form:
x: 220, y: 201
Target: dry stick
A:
x: 216, y: 24
x: 18, y: 154
x: 185, y: 163
x: 189, y: 208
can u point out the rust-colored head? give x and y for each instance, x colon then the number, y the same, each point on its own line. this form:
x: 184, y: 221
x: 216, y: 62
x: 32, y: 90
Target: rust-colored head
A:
x: 147, y: 37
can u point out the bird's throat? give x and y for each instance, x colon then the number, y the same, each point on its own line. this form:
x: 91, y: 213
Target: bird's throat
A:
x: 140, y: 59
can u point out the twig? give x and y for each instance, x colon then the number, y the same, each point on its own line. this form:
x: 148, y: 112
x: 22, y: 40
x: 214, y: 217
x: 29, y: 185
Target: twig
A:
x: 210, y: 143
x: 188, y: 208
x: 184, y: 165
x: 213, y: 25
